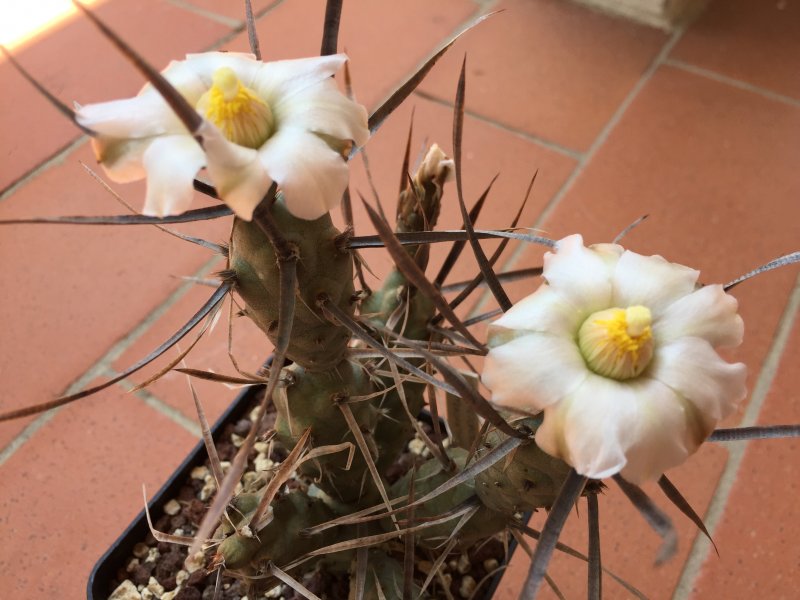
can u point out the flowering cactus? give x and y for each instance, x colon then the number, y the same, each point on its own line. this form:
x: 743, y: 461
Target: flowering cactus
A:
x: 626, y: 370
x: 611, y: 364
x: 283, y: 121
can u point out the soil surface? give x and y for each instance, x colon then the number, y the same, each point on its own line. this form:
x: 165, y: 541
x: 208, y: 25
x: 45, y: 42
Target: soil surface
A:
x: 156, y: 570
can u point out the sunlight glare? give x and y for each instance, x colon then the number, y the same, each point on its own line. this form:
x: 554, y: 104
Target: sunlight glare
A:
x: 20, y: 21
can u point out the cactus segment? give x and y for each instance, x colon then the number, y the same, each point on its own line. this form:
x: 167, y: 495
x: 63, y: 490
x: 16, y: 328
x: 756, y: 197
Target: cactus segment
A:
x: 386, y: 572
x: 311, y: 401
x: 530, y: 480
x: 281, y: 540
x: 323, y: 268
x: 428, y: 477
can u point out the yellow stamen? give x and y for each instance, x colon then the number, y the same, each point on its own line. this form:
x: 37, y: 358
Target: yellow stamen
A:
x: 617, y: 342
x: 242, y: 116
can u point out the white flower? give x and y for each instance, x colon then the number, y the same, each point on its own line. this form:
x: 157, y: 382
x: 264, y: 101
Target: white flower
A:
x: 283, y: 121
x: 619, y: 351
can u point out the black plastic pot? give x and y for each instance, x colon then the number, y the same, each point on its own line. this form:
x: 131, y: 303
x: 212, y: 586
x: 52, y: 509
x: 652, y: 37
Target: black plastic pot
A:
x: 105, y: 570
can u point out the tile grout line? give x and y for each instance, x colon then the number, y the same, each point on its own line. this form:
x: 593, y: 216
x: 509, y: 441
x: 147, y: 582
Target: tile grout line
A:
x: 731, y: 81
x: 482, y: 7
x: 576, y: 155
x: 101, y: 365
x: 605, y: 133
x: 156, y: 403
x: 235, y: 30
x: 208, y: 14
x: 58, y: 157
x: 587, y: 156
x: 719, y: 501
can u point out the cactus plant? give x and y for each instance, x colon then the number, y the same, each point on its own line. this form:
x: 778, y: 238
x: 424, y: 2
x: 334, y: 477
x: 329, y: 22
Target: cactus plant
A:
x: 352, y: 368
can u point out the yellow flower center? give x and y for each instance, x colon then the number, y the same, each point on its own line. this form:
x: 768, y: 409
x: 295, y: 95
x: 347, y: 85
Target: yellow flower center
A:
x: 242, y: 116
x: 617, y: 342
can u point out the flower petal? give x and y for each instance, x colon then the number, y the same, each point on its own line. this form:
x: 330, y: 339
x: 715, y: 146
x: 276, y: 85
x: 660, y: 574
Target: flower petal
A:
x: 586, y: 429
x: 533, y: 371
x: 121, y: 158
x: 313, y: 177
x: 142, y: 116
x: 606, y: 427
x: 147, y: 114
x: 171, y: 162
x: 581, y: 275
x: 237, y: 173
x: 280, y: 80
x: 707, y: 313
x: 650, y: 281
x: 692, y: 368
x: 322, y: 108
x: 545, y: 311
x: 661, y: 436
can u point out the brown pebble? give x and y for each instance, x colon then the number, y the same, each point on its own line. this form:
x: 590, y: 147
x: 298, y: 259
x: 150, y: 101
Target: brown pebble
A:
x: 168, y: 583
x: 187, y: 493
x: 162, y: 524
x: 141, y: 574
x: 195, y: 511
x: 196, y: 578
x: 170, y: 563
x: 177, y: 521
x: 189, y: 593
x: 242, y: 427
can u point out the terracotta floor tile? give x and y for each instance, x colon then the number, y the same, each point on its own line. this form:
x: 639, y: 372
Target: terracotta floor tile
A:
x: 232, y: 9
x: 704, y: 184
x: 69, y: 292
x: 250, y: 348
x: 562, y: 69
x: 77, y: 64
x: 384, y: 44
x: 757, y: 535
x: 71, y: 490
x: 488, y: 151
x: 716, y: 201
x: 756, y: 42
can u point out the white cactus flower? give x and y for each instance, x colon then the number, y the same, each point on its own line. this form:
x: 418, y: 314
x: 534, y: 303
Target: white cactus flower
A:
x: 619, y: 351
x: 283, y: 121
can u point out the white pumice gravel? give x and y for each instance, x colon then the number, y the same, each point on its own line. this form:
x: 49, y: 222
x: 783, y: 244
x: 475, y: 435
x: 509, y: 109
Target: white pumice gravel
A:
x: 193, y: 563
x: 125, y: 591
x: 172, y: 508
x: 152, y: 555
x: 262, y: 462
x: 467, y: 586
x: 209, y: 487
x: 200, y: 472
x: 156, y: 588
x: 463, y: 566
x: 417, y: 446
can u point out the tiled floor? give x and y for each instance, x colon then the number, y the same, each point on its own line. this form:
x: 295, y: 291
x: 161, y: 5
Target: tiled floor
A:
x: 700, y: 129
